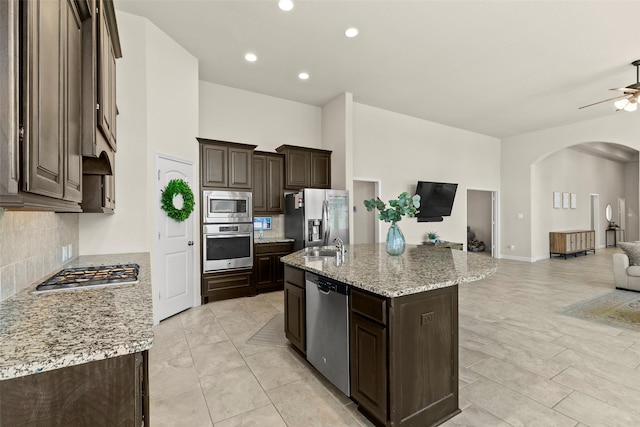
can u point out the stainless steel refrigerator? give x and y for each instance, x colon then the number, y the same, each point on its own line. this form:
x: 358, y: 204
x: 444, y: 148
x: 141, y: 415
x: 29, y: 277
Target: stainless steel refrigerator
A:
x: 315, y: 217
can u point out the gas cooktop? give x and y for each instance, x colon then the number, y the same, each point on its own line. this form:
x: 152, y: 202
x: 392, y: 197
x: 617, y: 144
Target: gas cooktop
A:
x: 101, y: 276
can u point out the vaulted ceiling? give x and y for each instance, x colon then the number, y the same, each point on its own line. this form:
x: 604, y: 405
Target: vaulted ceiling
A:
x: 499, y: 68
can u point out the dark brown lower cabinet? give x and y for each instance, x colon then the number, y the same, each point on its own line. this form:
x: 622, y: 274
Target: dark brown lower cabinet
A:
x: 268, y: 271
x: 224, y: 285
x: 295, y: 322
x: 109, y: 392
x: 404, y: 356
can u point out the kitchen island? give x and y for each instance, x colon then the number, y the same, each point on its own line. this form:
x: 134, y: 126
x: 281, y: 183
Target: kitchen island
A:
x: 77, y: 357
x: 403, y: 325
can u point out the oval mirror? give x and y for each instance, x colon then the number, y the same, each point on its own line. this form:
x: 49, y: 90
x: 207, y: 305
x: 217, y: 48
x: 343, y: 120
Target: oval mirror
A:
x: 607, y: 212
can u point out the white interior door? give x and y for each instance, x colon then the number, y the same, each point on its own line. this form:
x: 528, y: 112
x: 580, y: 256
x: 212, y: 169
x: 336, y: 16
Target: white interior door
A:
x: 175, y: 245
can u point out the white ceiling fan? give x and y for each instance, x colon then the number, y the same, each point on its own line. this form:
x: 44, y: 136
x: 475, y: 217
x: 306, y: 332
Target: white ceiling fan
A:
x: 628, y: 101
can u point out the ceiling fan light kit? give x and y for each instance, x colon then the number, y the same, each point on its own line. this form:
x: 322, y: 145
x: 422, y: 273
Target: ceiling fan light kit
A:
x: 629, y: 101
x: 626, y: 104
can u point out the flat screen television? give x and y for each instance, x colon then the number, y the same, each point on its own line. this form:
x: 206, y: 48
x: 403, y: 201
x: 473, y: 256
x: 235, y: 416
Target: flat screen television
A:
x: 436, y: 200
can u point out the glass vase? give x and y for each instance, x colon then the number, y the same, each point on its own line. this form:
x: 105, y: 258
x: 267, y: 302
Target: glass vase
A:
x: 395, y: 240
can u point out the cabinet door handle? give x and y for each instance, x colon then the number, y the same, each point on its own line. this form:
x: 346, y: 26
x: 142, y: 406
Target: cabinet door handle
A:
x: 190, y: 243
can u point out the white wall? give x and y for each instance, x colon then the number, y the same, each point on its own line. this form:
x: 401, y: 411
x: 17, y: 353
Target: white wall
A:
x: 157, y: 95
x: 519, y: 154
x: 237, y: 115
x: 400, y: 150
x: 125, y: 231
x: 337, y: 136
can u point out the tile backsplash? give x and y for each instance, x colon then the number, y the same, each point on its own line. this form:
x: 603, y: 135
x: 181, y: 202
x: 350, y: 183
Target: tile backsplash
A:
x: 277, y: 227
x: 31, y: 246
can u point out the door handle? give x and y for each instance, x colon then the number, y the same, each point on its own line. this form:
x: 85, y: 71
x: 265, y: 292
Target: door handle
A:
x: 190, y: 243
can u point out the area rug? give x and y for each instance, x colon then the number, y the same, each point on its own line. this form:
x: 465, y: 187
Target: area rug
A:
x: 271, y: 334
x: 617, y: 308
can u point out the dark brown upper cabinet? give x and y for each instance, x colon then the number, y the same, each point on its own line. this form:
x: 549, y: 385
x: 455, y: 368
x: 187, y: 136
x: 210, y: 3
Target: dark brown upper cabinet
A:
x: 306, y: 167
x: 226, y: 164
x: 268, y: 183
x: 41, y: 50
x: 98, y: 193
x: 100, y: 48
x: 45, y: 50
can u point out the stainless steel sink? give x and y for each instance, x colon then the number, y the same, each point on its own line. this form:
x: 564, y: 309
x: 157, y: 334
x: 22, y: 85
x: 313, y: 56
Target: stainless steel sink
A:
x: 321, y: 252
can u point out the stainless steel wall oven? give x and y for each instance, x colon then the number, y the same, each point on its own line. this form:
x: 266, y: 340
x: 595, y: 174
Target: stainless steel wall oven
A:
x: 227, y: 246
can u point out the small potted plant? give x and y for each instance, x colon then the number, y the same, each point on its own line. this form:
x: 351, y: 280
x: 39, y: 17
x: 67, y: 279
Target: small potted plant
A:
x: 432, y: 236
x: 405, y: 204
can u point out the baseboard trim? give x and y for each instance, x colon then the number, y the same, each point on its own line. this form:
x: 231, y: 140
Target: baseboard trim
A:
x: 518, y: 258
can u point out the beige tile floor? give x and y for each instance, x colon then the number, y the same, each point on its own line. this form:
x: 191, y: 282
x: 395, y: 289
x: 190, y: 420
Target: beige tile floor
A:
x: 521, y: 363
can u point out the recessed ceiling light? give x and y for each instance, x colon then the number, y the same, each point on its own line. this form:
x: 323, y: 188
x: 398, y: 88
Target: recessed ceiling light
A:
x: 303, y: 76
x: 285, y: 5
x: 351, y: 32
x: 251, y: 57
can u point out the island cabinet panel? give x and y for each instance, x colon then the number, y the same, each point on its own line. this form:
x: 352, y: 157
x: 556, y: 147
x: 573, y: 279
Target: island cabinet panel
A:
x: 368, y: 361
x: 295, y: 322
x: 107, y: 392
x: 404, y: 356
x: 423, y: 358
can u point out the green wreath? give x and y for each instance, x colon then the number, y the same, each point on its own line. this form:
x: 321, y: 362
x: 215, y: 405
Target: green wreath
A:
x: 173, y: 188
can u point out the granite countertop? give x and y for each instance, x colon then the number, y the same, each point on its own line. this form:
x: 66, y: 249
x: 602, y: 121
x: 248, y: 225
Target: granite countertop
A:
x: 54, y: 330
x: 258, y: 240
x: 421, y: 268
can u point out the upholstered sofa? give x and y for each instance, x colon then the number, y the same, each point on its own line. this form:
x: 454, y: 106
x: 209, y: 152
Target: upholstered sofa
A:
x: 625, y: 274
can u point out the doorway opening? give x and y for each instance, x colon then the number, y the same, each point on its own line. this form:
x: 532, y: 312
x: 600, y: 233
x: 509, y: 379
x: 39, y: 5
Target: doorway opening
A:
x: 594, y: 215
x: 365, y: 227
x: 482, y: 211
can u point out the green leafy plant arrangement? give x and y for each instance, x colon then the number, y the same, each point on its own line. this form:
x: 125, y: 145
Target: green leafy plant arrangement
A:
x: 403, y: 205
x: 173, y: 188
x: 432, y: 235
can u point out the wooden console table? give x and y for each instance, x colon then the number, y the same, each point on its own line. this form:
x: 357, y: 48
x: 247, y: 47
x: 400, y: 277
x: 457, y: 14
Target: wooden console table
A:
x: 571, y: 242
x: 615, y: 237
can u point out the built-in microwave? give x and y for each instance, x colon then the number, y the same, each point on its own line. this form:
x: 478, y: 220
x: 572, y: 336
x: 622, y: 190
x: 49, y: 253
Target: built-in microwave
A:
x: 223, y: 207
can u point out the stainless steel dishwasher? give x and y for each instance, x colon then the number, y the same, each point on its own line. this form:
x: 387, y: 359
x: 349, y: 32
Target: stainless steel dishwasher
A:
x: 328, y: 329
